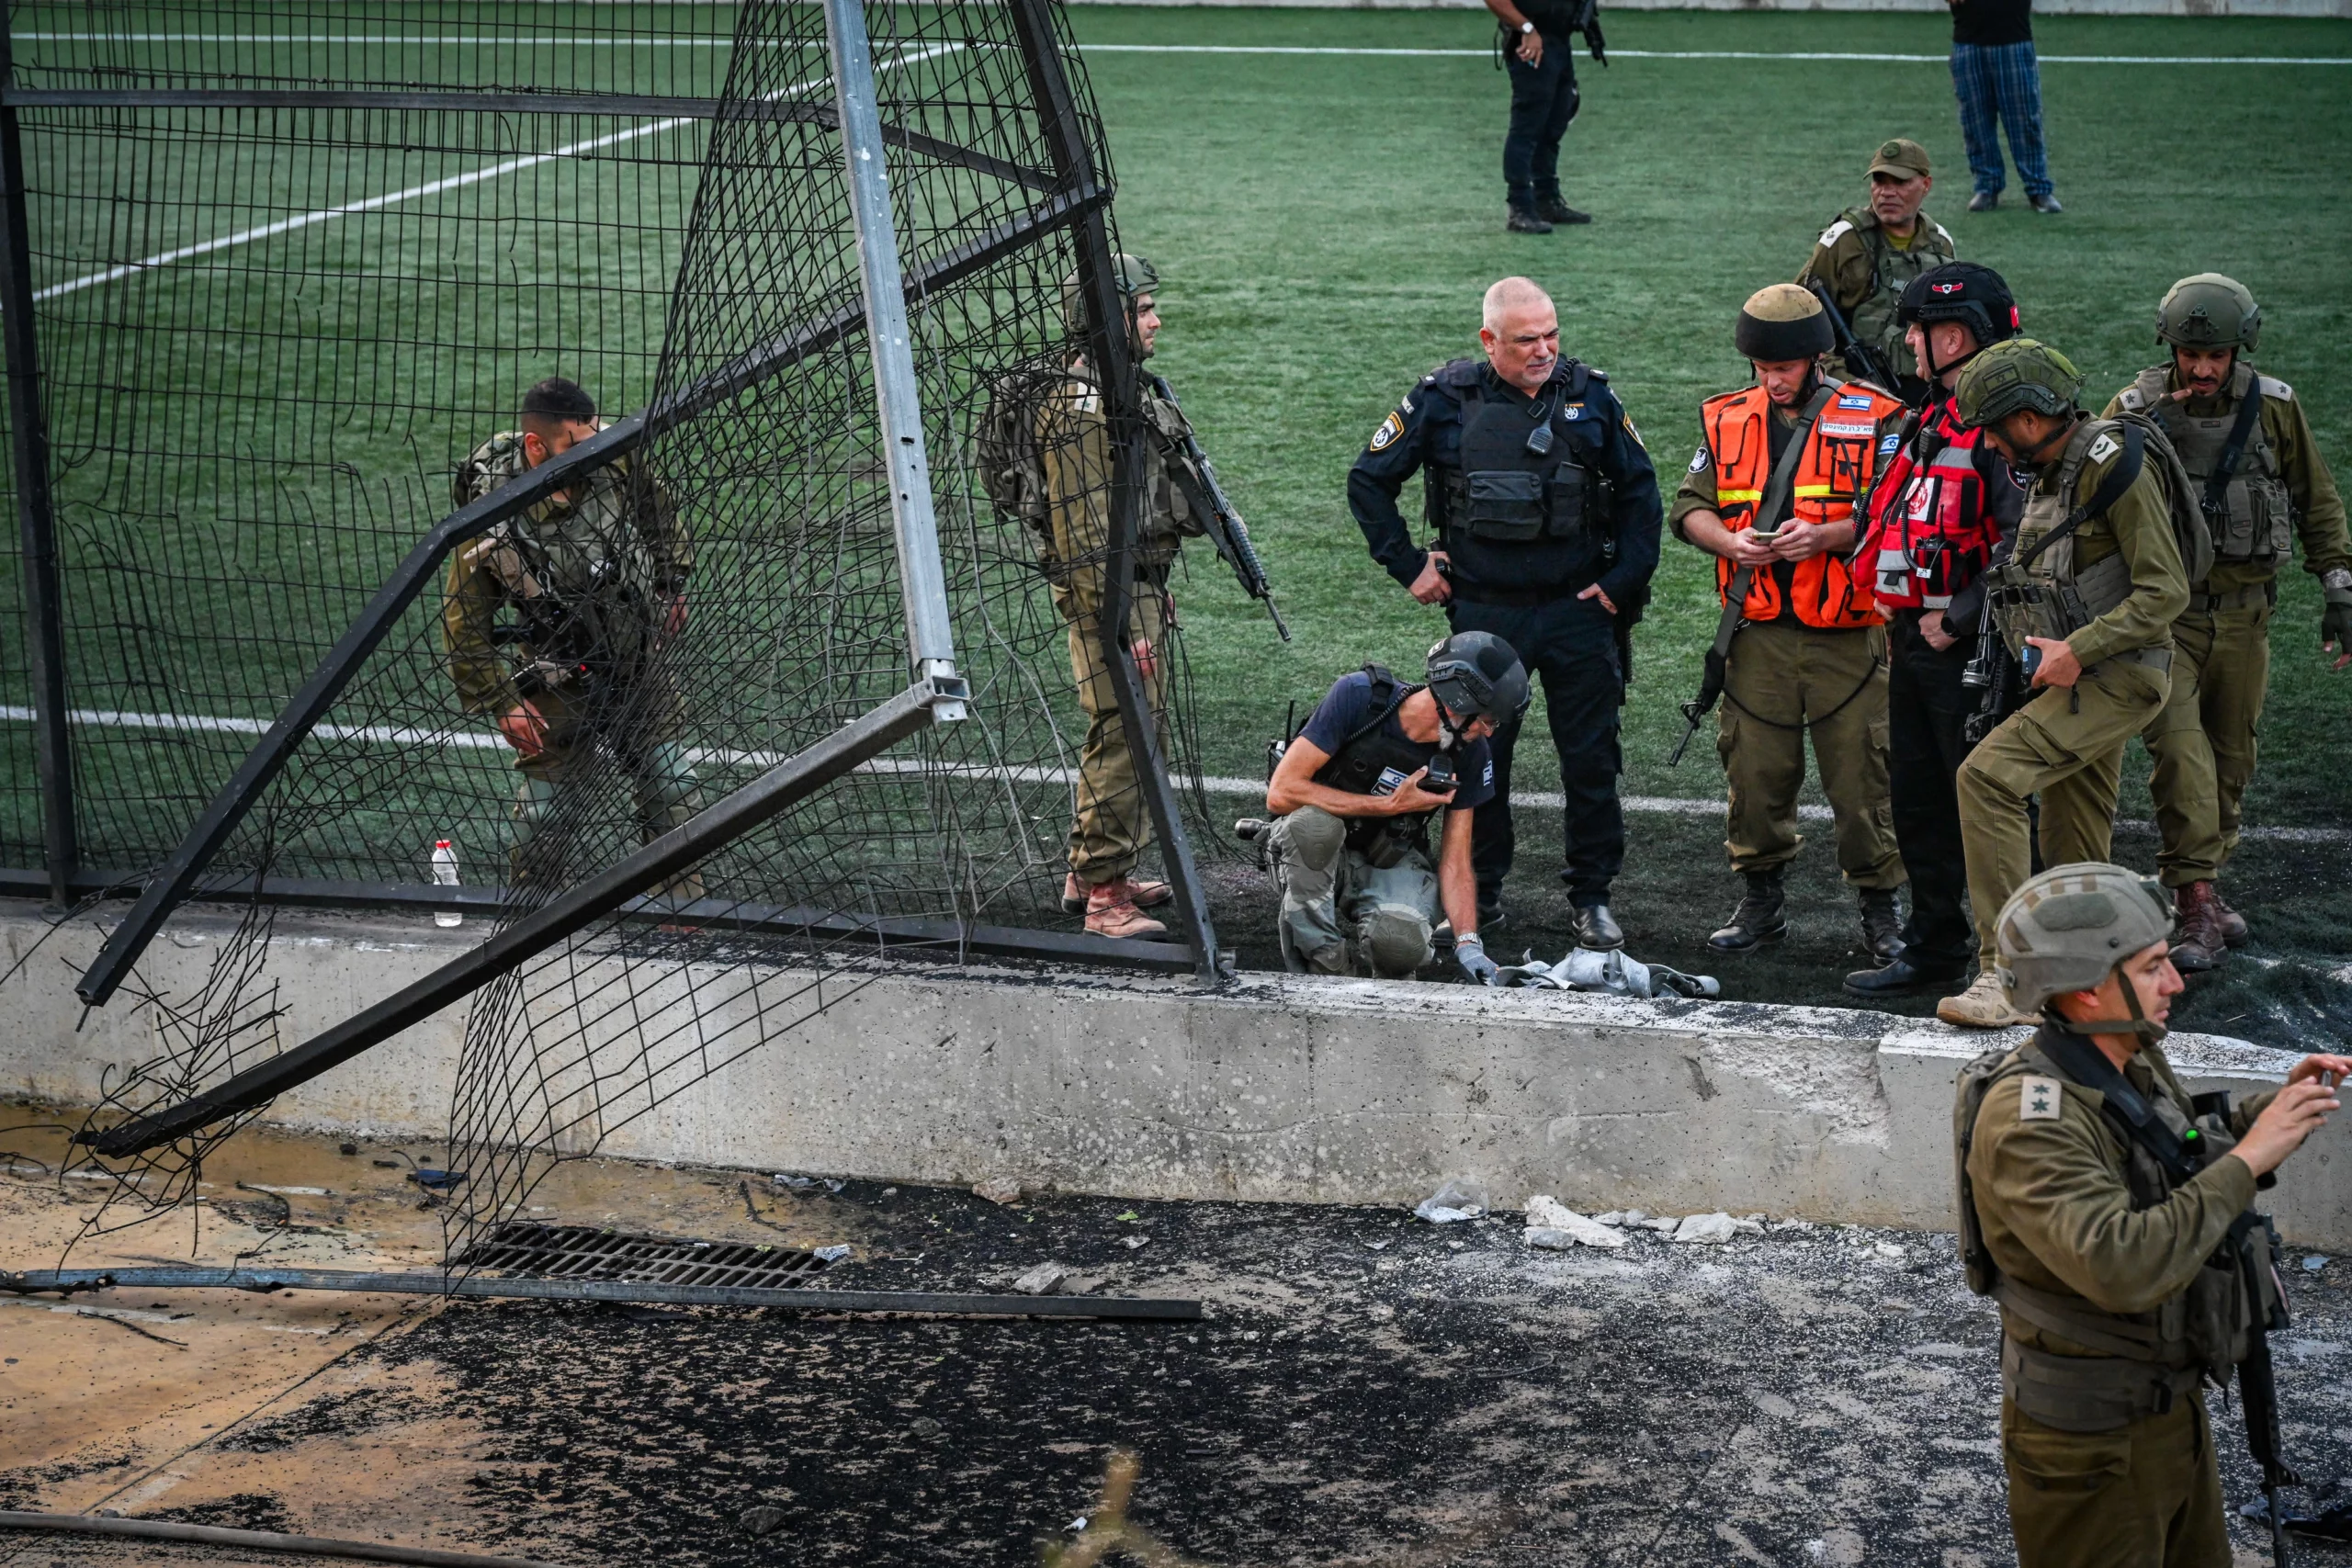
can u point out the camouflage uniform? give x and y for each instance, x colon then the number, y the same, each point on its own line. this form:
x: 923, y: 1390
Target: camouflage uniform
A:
x: 578, y: 585
x: 1866, y: 270
x: 1112, y: 827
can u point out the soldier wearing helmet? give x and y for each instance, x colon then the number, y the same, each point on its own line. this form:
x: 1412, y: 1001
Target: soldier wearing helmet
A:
x: 2108, y: 1213
x: 1945, y: 501
x: 2247, y: 445
x: 1809, y: 654
x: 2085, y: 602
x: 1873, y: 251
x: 1112, y: 825
x: 1544, y: 512
x: 1353, y: 796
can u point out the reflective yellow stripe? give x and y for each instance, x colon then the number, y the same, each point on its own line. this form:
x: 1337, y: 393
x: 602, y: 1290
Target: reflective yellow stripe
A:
x: 1817, y: 489
x: 1739, y: 495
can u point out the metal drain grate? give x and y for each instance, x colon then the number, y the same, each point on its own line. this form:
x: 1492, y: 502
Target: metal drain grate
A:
x: 584, y: 1252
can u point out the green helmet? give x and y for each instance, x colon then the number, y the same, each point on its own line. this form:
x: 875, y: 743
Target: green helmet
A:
x: 2018, y: 374
x: 2068, y: 928
x: 2209, y: 311
x: 1134, y: 275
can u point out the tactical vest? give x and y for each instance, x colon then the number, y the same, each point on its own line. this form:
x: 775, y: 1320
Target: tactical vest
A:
x: 1840, y: 456
x: 2145, y: 1359
x: 2255, y: 520
x: 2050, y: 596
x: 1012, y: 459
x: 1891, y: 271
x: 1931, y: 533
x: 1373, y: 761
x: 1512, y: 517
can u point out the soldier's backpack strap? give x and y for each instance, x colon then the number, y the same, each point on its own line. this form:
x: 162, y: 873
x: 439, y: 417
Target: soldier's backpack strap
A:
x: 1975, y: 1081
x: 2215, y: 503
x: 2120, y: 477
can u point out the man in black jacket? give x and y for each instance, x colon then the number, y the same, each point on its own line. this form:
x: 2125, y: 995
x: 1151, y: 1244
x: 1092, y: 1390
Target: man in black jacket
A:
x: 1544, y: 98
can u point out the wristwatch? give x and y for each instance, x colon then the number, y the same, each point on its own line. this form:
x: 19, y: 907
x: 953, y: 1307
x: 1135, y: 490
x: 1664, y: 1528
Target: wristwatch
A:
x: 1527, y: 26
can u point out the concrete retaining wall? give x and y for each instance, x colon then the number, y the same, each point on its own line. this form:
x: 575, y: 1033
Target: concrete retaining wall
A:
x: 2317, y: 9
x: 1274, y: 1088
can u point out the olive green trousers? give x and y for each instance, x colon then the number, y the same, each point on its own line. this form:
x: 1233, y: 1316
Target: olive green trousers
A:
x: 641, y: 736
x: 1113, y: 822
x: 2146, y: 1495
x: 1783, y: 681
x: 2067, y: 745
x: 2204, y: 743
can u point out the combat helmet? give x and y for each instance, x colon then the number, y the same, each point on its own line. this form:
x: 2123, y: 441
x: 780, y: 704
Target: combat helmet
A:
x: 1967, y: 293
x: 2067, y: 929
x: 1478, y: 675
x: 1132, y: 275
x: 2017, y: 374
x: 2209, y: 311
x: 1783, y: 322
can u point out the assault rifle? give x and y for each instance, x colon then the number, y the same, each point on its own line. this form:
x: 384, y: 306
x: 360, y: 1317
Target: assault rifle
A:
x: 1588, y: 22
x: 1768, y: 522
x: 2254, y: 1242
x: 1197, y: 478
x: 1863, y: 362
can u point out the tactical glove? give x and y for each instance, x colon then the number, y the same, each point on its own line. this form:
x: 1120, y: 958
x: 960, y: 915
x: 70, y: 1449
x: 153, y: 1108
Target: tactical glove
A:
x: 1471, y: 954
x: 2335, y: 614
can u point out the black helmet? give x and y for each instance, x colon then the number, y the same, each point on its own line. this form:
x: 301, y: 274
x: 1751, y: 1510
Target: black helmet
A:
x: 1975, y: 296
x: 1477, y: 676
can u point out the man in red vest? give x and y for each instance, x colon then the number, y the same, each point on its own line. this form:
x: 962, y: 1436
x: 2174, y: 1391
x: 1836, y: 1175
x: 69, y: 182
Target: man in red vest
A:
x: 1810, y: 653
x: 1945, y: 501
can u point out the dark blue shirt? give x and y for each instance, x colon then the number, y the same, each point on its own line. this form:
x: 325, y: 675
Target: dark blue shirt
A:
x: 1426, y: 429
x: 1349, y: 706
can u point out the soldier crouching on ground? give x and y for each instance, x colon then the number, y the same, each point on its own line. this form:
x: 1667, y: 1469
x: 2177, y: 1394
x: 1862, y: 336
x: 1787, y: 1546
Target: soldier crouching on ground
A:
x: 585, y: 586
x: 2108, y: 1213
x: 1353, y: 796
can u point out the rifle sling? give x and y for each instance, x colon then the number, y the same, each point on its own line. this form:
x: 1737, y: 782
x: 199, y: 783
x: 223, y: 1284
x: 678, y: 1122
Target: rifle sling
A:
x: 2120, y: 478
x: 2217, y: 485
x: 2088, y: 1065
x: 1769, y: 510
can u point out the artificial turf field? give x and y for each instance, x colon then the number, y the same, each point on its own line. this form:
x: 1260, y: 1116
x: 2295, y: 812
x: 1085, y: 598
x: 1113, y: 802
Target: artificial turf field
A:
x: 1324, y: 222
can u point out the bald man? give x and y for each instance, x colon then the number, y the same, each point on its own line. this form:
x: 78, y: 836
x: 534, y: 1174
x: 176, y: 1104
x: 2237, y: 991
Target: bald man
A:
x: 1543, y: 515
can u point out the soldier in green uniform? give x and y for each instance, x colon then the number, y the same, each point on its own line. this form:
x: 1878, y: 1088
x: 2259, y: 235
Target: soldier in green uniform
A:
x: 1112, y: 825
x: 2245, y: 442
x: 2085, y: 601
x: 2109, y: 1219
x: 1873, y: 251
x: 583, y: 587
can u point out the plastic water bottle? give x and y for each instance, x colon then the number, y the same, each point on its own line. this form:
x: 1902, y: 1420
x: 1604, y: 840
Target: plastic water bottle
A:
x: 445, y: 875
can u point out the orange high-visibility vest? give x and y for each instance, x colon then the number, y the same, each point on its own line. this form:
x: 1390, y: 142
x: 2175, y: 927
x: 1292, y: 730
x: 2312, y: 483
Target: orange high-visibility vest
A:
x: 1840, y: 455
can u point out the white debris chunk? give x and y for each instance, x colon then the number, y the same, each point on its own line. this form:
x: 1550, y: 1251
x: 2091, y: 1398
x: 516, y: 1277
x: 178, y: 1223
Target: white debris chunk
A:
x: 1042, y: 1280
x: 1458, y: 1199
x: 1548, y: 1216
x: 1715, y: 1229
x: 997, y: 1189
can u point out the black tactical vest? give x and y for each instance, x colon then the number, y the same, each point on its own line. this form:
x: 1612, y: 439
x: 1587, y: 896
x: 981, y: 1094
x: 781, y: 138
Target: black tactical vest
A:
x: 1511, y: 516
x: 1374, y: 759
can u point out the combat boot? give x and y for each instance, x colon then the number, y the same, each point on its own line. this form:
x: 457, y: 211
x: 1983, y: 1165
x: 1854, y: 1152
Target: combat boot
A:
x: 1597, y: 929
x: 1148, y: 895
x: 1882, y: 924
x: 1551, y: 209
x: 1111, y: 911
x: 1758, y: 920
x: 1984, y: 1005
x: 2233, y: 926
x: 2197, y: 944
x: 1523, y: 220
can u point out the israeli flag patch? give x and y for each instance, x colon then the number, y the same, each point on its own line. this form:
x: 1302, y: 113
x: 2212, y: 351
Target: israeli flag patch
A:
x: 1853, y: 401
x: 1387, y: 782
x: 1894, y: 439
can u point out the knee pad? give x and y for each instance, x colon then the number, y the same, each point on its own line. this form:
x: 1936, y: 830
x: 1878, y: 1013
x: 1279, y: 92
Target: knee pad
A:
x: 1397, y: 939
x: 670, y: 779
x: 534, y: 803
x: 1315, y: 838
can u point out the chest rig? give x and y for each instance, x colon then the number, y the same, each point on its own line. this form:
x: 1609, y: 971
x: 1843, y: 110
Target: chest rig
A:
x: 1375, y: 759
x: 1516, y: 479
x: 2230, y: 456
x: 2042, y: 589
x: 1891, y: 271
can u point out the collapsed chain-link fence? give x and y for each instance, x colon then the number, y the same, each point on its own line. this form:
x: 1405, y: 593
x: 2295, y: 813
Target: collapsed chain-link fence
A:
x: 275, y: 336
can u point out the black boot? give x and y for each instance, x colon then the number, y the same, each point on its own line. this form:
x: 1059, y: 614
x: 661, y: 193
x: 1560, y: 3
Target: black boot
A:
x: 1551, y: 209
x: 1882, y: 924
x: 1523, y: 220
x: 1597, y: 929
x: 1903, y: 976
x: 1757, y: 920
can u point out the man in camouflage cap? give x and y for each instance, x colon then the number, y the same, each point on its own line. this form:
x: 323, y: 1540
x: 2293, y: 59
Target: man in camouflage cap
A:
x: 1873, y: 251
x: 1112, y: 826
x: 2086, y: 602
x: 584, y: 587
x: 2110, y: 1220
x: 2246, y: 444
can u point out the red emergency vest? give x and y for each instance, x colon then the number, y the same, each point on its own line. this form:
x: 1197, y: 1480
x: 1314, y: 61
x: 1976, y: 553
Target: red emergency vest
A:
x: 1840, y: 458
x: 1930, y: 535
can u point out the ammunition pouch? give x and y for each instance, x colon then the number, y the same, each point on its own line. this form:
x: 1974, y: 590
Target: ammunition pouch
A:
x: 2252, y: 521
x: 1518, y: 506
x: 2089, y: 1393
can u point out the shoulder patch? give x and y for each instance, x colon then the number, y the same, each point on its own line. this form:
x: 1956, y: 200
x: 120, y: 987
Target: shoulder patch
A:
x: 2133, y: 397
x: 1627, y: 421
x: 1703, y: 460
x: 2103, y: 448
x: 1574, y: 410
x: 1942, y: 233
x: 2272, y: 388
x: 1836, y: 232
x: 2040, y: 1098
x: 1597, y: 373
x: 1390, y: 429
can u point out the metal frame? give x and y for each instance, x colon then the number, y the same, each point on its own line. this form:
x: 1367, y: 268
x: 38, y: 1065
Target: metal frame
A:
x: 69, y: 1282
x: 1107, y: 347
x: 789, y: 782
x: 36, y: 510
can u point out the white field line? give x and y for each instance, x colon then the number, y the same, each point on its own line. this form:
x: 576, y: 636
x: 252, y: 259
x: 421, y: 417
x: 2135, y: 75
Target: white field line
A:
x: 431, y: 187
x: 388, y: 735
x: 553, y: 40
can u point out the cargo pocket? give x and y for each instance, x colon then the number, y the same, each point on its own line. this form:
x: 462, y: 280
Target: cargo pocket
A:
x: 1505, y: 504
x: 1568, y: 497
x: 2051, y: 1461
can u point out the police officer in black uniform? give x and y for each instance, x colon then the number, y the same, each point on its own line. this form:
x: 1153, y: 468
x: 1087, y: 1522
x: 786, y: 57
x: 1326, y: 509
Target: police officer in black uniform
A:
x: 1545, y: 513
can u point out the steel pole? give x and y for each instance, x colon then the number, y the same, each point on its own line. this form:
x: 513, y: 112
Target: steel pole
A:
x: 922, y: 580
x: 36, y: 512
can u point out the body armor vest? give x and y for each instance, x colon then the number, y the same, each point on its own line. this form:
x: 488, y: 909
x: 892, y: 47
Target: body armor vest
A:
x: 2144, y: 1359
x: 1375, y: 760
x: 1929, y: 533
x: 2254, y: 520
x: 2050, y: 596
x: 1891, y: 271
x: 1517, y: 510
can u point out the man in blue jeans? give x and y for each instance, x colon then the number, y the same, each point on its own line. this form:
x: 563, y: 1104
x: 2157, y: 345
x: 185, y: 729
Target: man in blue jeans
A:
x: 1544, y: 98
x: 1994, y: 74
